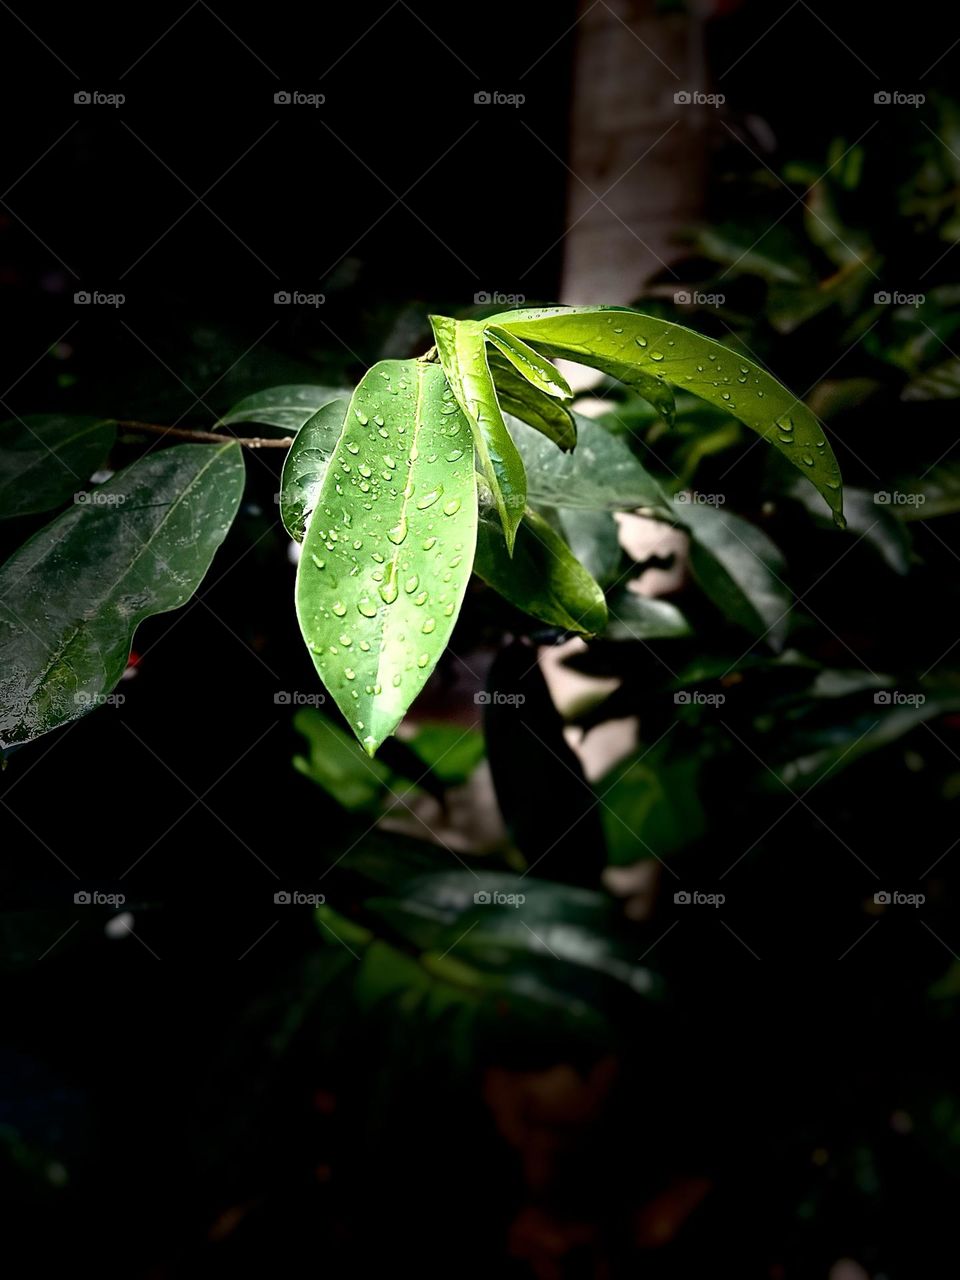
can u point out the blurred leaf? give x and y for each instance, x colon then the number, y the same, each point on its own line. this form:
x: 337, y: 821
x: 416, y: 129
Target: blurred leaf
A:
x: 651, y: 806
x: 542, y: 577
x: 286, y: 408
x: 72, y: 597
x: 338, y: 764
x: 594, y: 540
x: 306, y: 464
x: 449, y: 751
x: 868, y: 520
x: 637, y: 617
x: 47, y: 457
x: 942, y: 382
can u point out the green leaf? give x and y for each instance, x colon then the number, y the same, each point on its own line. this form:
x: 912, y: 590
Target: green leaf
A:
x: 594, y: 539
x: 45, y: 458
x: 72, y: 597
x: 651, y: 806
x: 463, y: 355
x: 306, y: 464
x: 542, y: 577
x: 518, y: 397
x: 287, y: 408
x: 740, y: 569
x: 449, y: 751
x: 389, y: 547
x: 530, y: 364
x: 637, y: 617
x: 336, y: 763
x: 868, y: 520
x: 621, y: 342
x: 601, y: 474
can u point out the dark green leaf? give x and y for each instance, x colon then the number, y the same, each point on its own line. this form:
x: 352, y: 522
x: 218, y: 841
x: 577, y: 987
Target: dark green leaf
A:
x: 286, y: 408
x: 306, y: 465
x: 72, y: 597
x: 47, y: 457
x: 337, y: 763
x: 518, y: 397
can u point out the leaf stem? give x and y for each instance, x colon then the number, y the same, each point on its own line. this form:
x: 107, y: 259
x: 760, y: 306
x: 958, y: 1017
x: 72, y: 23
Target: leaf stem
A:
x: 208, y: 437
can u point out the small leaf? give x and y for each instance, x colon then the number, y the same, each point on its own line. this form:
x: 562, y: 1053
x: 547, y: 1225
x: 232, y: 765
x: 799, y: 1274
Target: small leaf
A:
x: 389, y: 548
x: 287, y: 408
x: 601, y: 474
x: 530, y: 364
x: 740, y: 569
x: 45, y: 458
x: 518, y: 397
x: 306, y: 464
x: 542, y: 577
x: 463, y: 355
x: 72, y: 597
x: 621, y: 342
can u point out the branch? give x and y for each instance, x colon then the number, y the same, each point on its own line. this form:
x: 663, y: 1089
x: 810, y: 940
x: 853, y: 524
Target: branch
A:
x: 209, y: 437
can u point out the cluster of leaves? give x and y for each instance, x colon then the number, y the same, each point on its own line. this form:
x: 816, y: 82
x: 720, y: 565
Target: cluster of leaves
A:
x: 384, y: 495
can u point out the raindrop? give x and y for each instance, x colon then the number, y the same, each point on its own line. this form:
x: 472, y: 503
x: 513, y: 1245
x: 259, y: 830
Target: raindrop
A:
x: 367, y: 608
x: 353, y: 446
x: 317, y: 561
x: 430, y: 498
x: 429, y: 626
x: 339, y: 609
x: 423, y: 660
x: 398, y: 532
x: 429, y: 544
x: 452, y: 507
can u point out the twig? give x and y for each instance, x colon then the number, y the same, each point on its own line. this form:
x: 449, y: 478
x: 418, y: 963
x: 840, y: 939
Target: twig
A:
x: 210, y: 437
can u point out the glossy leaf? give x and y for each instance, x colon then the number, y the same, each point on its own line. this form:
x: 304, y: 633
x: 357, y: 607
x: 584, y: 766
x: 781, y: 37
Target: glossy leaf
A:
x: 306, y: 464
x: 286, y: 408
x: 45, y: 458
x: 740, y: 569
x: 594, y: 539
x: 621, y: 342
x: 463, y: 355
x: 73, y: 595
x: 542, y: 578
x: 637, y: 617
x: 519, y: 398
x: 389, y: 547
x: 530, y: 364
x: 601, y: 474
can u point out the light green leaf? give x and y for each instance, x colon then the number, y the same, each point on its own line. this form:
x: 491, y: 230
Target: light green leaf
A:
x: 287, y: 408
x: 621, y: 342
x: 601, y: 474
x: 389, y: 547
x: 740, y: 569
x: 336, y: 762
x: 463, y: 355
x: 524, y: 401
x: 73, y: 595
x: 306, y: 464
x: 530, y: 364
x: 542, y: 577
x: 45, y: 458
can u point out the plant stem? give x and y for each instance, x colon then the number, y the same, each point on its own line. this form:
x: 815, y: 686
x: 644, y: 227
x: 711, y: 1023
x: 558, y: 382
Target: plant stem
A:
x: 209, y: 437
